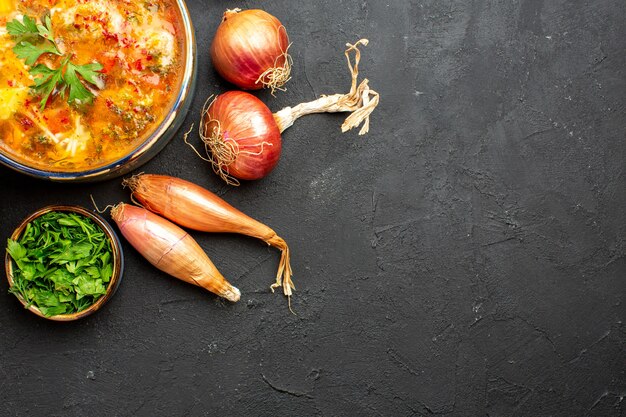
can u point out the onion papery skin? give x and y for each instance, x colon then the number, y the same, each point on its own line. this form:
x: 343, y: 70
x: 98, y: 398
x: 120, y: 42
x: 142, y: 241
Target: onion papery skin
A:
x: 249, y: 123
x: 246, y: 44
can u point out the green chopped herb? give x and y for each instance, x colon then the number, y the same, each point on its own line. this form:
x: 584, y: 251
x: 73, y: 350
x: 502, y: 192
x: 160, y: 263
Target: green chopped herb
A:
x: 32, y: 41
x: 62, y: 263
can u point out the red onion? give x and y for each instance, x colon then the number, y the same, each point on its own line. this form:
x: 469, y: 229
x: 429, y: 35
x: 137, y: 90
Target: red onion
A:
x: 242, y: 136
x: 250, y: 50
x: 240, y: 132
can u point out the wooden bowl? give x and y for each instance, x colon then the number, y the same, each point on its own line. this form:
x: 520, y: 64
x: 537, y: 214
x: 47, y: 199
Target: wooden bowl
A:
x: 117, y: 256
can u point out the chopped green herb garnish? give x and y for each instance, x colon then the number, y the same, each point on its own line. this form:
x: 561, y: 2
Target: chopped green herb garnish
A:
x: 32, y: 41
x: 62, y: 263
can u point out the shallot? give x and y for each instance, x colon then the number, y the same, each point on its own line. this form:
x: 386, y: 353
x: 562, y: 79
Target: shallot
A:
x: 194, y: 207
x: 171, y: 249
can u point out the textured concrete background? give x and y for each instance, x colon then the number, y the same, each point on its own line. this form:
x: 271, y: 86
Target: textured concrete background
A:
x: 466, y: 258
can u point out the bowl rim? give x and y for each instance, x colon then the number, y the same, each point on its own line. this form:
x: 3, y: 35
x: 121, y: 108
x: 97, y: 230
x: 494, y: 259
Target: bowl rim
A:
x: 185, y: 92
x: 117, y: 256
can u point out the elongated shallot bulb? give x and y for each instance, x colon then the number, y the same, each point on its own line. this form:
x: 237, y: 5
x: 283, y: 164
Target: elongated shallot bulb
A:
x: 171, y: 249
x: 192, y: 206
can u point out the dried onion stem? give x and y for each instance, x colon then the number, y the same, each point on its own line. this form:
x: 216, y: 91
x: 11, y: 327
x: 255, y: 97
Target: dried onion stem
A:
x: 360, y: 101
x: 283, y: 276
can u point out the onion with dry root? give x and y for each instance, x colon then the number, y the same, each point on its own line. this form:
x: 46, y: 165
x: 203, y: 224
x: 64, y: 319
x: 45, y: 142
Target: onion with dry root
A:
x: 171, y: 249
x: 242, y: 137
x: 250, y: 50
x: 192, y: 206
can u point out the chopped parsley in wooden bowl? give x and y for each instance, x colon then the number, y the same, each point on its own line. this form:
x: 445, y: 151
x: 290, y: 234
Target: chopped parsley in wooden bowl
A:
x: 63, y: 262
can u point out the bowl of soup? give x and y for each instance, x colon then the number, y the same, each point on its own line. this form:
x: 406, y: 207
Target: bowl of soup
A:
x: 90, y: 90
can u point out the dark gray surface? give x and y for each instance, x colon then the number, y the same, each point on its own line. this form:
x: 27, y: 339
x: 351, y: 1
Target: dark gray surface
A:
x: 466, y: 258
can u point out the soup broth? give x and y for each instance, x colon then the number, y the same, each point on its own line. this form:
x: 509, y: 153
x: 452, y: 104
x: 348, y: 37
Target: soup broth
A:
x: 138, y: 46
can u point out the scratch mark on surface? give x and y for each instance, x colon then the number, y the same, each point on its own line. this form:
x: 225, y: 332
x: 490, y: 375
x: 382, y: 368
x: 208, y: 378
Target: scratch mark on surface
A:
x: 541, y: 331
x: 250, y: 269
x: 448, y: 327
x: 420, y: 403
x: 600, y: 61
x: 537, y: 133
x: 374, y: 202
x: 586, y: 349
x: 476, y: 321
x: 223, y: 191
x: 387, y: 227
x: 306, y: 77
x: 399, y: 360
x: 286, y: 391
x: 499, y: 241
x: 596, y: 402
x: 178, y: 300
